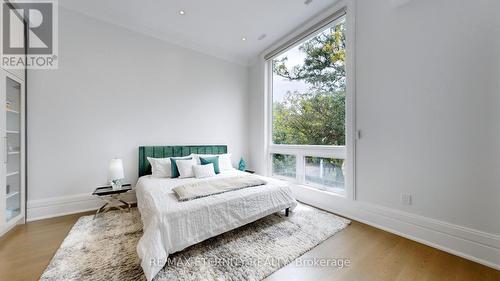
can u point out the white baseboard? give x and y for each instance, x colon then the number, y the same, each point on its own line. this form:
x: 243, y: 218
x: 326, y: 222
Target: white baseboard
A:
x: 59, y: 206
x: 471, y: 244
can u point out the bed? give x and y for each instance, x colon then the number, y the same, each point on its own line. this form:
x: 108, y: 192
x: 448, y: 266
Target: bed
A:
x: 171, y: 225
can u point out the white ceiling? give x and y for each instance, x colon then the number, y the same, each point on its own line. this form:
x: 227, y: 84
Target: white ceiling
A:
x: 214, y: 27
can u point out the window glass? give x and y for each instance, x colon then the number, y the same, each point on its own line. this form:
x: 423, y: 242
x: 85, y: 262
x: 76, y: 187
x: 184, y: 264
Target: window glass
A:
x: 284, y: 165
x: 309, y: 90
x: 327, y: 172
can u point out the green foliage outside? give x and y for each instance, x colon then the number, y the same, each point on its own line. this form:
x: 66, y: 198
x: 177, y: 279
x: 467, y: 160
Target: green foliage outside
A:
x: 316, y: 116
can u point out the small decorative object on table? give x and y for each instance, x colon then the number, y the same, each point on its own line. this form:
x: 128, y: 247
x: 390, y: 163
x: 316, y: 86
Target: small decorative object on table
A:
x: 112, y: 198
x: 242, y: 165
x: 115, y: 173
x: 250, y: 171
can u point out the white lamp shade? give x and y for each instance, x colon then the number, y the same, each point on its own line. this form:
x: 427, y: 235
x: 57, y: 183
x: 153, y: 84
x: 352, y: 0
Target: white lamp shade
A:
x: 115, y: 171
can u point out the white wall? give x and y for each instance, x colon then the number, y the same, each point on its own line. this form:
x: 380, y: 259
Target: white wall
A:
x: 427, y: 100
x: 426, y: 90
x: 114, y: 91
x: 256, y: 110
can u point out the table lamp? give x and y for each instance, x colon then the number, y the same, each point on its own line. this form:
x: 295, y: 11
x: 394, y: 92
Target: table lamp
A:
x: 115, y: 173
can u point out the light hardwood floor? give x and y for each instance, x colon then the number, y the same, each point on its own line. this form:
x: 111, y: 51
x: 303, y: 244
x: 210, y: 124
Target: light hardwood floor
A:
x: 374, y: 255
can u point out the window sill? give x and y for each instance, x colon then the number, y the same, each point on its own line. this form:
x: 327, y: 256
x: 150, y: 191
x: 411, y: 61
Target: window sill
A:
x: 309, y: 150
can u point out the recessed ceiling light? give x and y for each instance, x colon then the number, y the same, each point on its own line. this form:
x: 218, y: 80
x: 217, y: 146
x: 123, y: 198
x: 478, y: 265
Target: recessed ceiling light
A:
x: 182, y: 12
x: 307, y: 2
x: 262, y: 36
x: 243, y: 39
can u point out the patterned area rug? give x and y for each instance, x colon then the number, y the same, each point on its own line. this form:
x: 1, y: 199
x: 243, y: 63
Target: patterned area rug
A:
x: 105, y: 248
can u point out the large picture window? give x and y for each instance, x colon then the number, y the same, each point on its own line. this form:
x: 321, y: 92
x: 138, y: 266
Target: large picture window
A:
x: 309, y: 88
x: 308, y: 83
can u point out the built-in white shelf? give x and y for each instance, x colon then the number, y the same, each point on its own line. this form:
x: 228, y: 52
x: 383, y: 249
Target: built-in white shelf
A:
x: 12, y: 174
x: 12, y: 111
x: 12, y: 213
x: 12, y: 103
x: 12, y: 194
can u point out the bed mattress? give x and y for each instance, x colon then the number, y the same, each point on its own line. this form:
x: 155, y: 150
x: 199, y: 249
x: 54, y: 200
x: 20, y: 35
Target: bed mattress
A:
x: 171, y: 225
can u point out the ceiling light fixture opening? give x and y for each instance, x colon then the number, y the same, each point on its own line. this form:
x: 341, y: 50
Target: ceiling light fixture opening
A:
x: 182, y: 12
x: 243, y: 39
x: 307, y: 2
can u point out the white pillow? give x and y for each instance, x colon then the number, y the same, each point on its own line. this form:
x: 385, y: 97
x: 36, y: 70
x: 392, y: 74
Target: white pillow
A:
x: 204, y: 171
x: 197, y: 157
x: 185, y: 168
x: 224, y: 160
x: 160, y: 167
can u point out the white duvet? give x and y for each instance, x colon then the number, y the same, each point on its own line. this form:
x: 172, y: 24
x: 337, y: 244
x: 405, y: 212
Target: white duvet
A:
x: 170, y: 225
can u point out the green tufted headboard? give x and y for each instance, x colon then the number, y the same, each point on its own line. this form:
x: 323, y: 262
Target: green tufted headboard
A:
x: 173, y: 151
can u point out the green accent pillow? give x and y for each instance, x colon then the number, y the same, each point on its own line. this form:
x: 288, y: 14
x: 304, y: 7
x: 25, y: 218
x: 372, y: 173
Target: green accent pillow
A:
x: 175, y: 170
x: 214, y: 160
